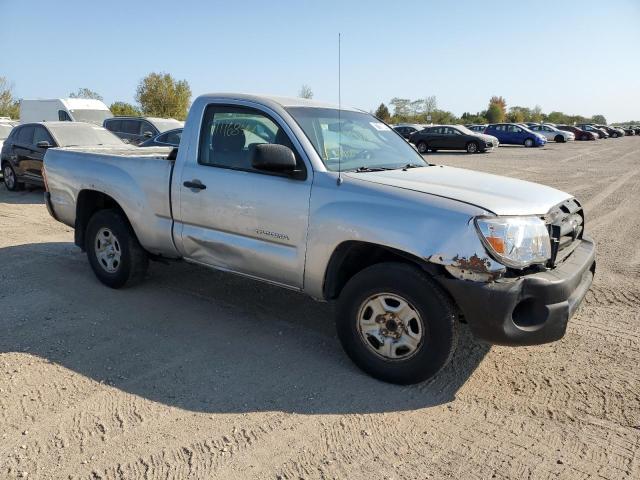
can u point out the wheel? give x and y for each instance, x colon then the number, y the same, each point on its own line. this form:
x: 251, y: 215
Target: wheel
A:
x: 10, y: 178
x: 396, y: 324
x: 528, y: 142
x: 113, y: 250
x: 472, y: 147
x: 422, y: 147
x: 614, y: 135
x: 559, y: 139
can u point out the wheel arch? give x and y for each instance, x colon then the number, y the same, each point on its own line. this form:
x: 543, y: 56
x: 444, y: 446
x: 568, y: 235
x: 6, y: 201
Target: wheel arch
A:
x: 352, y: 256
x: 87, y: 204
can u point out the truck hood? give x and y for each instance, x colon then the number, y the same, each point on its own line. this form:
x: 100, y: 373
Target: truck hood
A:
x: 500, y: 195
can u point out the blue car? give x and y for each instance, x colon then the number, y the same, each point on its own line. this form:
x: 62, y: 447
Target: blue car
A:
x: 514, y: 134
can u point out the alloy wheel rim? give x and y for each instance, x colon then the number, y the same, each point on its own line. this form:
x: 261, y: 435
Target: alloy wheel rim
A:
x: 9, y: 179
x: 108, y: 251
x: 390, y: 327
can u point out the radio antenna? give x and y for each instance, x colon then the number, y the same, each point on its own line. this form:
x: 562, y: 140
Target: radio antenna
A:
x: 339, y: 109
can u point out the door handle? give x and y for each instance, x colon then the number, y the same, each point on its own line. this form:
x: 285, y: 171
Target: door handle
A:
x: 195, y: 185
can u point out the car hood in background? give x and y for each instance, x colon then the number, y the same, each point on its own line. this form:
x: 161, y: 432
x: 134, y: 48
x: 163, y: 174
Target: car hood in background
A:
x: 500, y: 195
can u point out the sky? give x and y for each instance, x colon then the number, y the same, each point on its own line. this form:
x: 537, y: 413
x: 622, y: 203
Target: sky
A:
x: 578, y: 57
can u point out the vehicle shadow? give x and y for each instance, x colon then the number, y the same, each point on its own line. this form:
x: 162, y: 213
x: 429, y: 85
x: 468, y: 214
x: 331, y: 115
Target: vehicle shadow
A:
x: 29, y: 196
x: 197, y: 339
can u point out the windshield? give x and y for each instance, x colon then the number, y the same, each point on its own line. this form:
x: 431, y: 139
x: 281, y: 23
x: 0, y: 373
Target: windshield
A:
x: 355, y: 140
x: 83, y: 135
x: 5, y: 130
x: 91, y: 116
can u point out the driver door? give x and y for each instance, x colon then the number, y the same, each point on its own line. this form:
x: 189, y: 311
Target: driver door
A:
x: 234, y: 217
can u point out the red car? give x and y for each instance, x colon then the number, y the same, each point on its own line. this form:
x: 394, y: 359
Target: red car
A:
x: 579, y: 133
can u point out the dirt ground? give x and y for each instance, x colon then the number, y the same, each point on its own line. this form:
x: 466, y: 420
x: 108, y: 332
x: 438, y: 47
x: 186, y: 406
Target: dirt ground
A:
x: 199, y: 374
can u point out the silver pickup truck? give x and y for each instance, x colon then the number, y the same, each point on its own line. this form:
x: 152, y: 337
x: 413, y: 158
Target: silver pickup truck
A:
x: 334, y: 203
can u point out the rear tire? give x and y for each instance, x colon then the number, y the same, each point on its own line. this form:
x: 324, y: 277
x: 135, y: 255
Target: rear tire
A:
x: 472, y: 147
x: 559, y: 139
x: 113, y: 250
x: 529, y: 142
x: 426, y: 323
x: 422, y: 148
x: 10, y: 178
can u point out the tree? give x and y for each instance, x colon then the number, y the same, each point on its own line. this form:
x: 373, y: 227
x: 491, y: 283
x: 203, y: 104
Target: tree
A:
x: 497, y: 109
x: 124, y: 109
x: 599, y: 119
x: 494, y: 113
x: 401, y: 107
x: 159, y: 95
x: 430, y: 104
x: 86, y: 93
x: 9, y: 106
x: 305, y: 92
x: 383, y: 113
x: 536, y: 114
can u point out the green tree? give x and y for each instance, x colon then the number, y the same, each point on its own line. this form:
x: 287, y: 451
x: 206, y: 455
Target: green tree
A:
x: 124, y: 109
x: 305, y: 92
x: 159, y: 95
x: 9, y: 106
x: 599, y: 119
x: 497, y: 110
x: 383, y: 113
x: 536, y: 114
x: 86, y: 93
x: 557, y: 117
x: 494, y: 113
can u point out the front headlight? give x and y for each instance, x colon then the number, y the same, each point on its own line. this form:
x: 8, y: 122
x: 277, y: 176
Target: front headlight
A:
x: 515, y: 241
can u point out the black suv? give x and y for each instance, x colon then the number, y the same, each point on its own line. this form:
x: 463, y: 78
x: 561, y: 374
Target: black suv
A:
x: 135, y: 130
x: 23, y: 151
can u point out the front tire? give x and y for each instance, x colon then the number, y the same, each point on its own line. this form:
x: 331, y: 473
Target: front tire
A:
x: 528, y: 142
x: 115, y: 255
x: 422, y: 147
x: 10, y: 178
x: 396, y: 324
x: 472, y: 147
x: 559, y: 139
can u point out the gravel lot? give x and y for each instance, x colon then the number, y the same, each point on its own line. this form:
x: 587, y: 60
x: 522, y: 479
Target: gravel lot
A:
x: 198, y: 374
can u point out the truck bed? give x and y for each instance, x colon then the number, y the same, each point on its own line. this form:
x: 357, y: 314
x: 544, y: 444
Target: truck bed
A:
x: 138, y: 179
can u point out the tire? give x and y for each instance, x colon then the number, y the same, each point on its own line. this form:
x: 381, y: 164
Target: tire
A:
x: 473, y: 147
x: 115, y: 255
x: 614, y: 135
x: 422, y: 148
x: 10, y: 178
x: 431, y: 316
x: 529, y: 142
x: 559, y: 139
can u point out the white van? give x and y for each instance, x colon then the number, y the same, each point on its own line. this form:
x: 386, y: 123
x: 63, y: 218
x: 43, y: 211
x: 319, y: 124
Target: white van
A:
x: 64, y: 109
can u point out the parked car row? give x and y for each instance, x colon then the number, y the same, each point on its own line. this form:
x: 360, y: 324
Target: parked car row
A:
x: 485, y: 137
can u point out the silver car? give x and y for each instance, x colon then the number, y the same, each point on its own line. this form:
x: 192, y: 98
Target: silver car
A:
x: 552, y: 133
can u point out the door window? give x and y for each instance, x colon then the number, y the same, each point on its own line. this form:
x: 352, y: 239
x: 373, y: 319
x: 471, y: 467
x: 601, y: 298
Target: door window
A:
x: 131, y: 127
x: 229, y: 135
x: 25, y: 135
x: 63, y: 116
x: 114, y: 125
x: 41, y: 135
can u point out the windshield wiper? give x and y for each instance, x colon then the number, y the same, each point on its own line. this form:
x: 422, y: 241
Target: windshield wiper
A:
x: 364, y: 168
x: 412, y: 165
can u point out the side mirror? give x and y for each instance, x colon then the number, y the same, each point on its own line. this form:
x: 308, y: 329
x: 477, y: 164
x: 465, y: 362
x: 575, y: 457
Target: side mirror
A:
x: 147, y: 134
x: 272, y: 157
x: 43, y: 144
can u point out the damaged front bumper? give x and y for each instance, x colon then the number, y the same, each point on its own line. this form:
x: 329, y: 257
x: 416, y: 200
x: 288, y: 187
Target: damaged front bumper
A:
x: 527, y: 310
